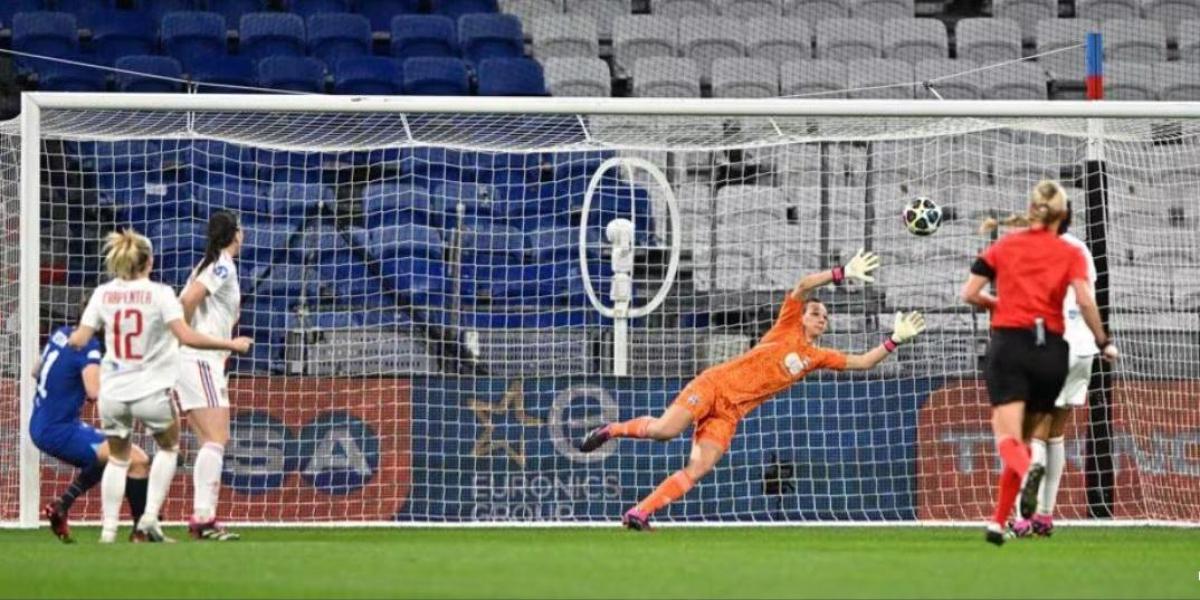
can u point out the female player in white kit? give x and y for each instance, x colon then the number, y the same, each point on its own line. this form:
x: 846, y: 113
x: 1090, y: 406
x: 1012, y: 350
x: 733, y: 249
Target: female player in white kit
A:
x: 1047, y: 444
x: 212, y: 300
x: 142, y: 320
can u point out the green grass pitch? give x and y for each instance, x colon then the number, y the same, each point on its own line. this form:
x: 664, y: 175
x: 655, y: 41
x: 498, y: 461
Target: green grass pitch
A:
x: 611, y: 563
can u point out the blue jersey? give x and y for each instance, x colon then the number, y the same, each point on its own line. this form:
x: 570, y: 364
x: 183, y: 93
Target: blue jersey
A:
x: 60, y: 391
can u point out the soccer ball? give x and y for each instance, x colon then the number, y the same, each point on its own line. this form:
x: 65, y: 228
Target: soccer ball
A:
x: 922, y: 216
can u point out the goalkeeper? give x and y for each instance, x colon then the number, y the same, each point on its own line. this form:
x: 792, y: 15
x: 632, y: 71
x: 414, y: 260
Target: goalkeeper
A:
x: 723, y: 395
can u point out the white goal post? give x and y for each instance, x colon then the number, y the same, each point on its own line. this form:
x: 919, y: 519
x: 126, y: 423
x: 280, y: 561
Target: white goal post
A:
x: 459, y: 404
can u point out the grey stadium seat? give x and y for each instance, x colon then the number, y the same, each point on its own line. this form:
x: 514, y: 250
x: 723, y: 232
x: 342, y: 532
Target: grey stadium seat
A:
x: 1171, y: 13
x: 666, y: 77
x: 750, y: 9
x: 1189, y: 40
x: 955, y: 86
x: 1053, y: 34
x: 815, y: 11
x: 528, y: 10
x: 803, y: 77
x: 913, y: 40
x: 1027, y: 13
x: 678, y: 9
x: 871, y: 72
x: 642, y: 36
x: 565, y: 35
x: 705, y: 39
x: 988, y: 41
x: 744, y: 78
x: 1124, y: 80
x: 882, y: 10
x: 1102, y: 10
x: 604, y: 11
x: 581, y: 77
x: 1018, y: 81
x: 1135, y: 40
x: 779, y: 40
x: 848, y: 39
x: 1178, y: 81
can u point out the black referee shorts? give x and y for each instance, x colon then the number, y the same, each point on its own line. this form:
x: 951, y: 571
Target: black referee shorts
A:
x: 1019, y: 369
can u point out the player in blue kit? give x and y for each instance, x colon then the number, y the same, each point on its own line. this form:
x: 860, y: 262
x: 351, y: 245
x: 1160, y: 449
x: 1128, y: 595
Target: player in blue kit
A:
x: 66, y: 378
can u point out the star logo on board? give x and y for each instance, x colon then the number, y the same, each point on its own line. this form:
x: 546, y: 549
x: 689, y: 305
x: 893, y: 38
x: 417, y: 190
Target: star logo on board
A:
x: 492, y: 415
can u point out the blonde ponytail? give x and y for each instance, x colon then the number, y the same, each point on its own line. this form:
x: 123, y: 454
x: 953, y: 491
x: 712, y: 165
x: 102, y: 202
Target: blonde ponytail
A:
x: 127, y: 254
x: 1047, y: 204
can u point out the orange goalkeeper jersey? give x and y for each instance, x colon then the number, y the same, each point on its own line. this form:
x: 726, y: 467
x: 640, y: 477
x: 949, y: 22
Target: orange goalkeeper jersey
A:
x: 780, y: 359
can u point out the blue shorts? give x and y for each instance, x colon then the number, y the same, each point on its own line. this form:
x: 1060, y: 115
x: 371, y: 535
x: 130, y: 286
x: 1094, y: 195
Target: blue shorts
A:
x: 74, y: 444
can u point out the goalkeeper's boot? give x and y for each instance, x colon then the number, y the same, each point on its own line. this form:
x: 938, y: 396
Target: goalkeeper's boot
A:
x: 596, y: 438
x: 637, y: 520
x: 1023, y: 528
x: 150, y: 532
x: 58, y: 522
x: 211, y: 530
x: 1029, y: 491
x: 994, y: 534
x: 1043, y: 525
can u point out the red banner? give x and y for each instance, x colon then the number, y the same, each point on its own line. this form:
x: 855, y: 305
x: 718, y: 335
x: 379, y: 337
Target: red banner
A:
x: 1156, y: 448
x: 301, y: 449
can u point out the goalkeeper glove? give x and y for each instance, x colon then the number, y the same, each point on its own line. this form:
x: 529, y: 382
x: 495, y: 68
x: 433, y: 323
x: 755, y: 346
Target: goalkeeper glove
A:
x: 905, y: 328
x: 859, y: 268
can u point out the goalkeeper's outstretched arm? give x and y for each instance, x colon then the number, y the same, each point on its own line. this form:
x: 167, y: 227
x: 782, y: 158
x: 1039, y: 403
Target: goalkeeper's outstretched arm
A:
x: 906, y: 327
x: 858, y: 269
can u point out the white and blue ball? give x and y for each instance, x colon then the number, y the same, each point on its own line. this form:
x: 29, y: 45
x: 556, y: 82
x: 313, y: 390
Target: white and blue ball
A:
x: 922, y: 216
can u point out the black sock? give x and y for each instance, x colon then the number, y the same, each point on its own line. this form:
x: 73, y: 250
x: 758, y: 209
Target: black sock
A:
x: 85, y: 479
x: 135, y: 493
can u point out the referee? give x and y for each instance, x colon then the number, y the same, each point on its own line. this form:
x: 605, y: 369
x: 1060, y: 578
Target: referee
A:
x: 1027, y: 357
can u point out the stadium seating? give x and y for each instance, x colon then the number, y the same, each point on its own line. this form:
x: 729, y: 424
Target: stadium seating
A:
x: 1019, y: 81
x: 1177, y: 81
x: 751, y: 9
x: 564, y: 36
x: 1129, y: 81
x: 955, y: 86
x: 308, y: 8
x: 332, y: 37
x: 1102, y: 10
x: 224, y: 71
x: 511, y: 77
x: 368, y: 75
x: 745, y: 78
x: 1028, y: 14
x: 64, y: 77
x: 914, y: 40
x: 12, y: 7
x: 1054, y: 34
x: 381, y: 12
x: 1172, y: 14
x: 605, y: 12
x: 423, y: 35
x: 799, y: 78
x: 849, y: 39
x: 873, y: 72
x: 988, y: 41
x: 162, y: 66
x: 44, y: 33
x: 118, y: 33
x: 640, y: 36
x: 815, y: 11
x: 678, y: 9
x: 882, y: 10
x: 291, y: 73
x: 666, y: 77
x: 705, y: 39
x: 434, y: 76
x: 271, y: 34
x: 483, y: 36
x: 584, y: 77
x: 233, y: 10
x: 530, y: 10
x: 193, y: 38
x: 779, y: 40
x: 1189, y: 41
x: 1134, y: 40
x: 457, y: 8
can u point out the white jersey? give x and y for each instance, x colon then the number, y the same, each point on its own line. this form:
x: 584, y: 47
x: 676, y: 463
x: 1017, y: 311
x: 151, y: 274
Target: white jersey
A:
x: 141, y: 354
x: 1077, y: 333
x: 216, y: 315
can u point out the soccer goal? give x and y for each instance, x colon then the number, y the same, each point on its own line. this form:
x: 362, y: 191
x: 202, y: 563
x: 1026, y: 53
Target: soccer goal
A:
x: 446, y: 293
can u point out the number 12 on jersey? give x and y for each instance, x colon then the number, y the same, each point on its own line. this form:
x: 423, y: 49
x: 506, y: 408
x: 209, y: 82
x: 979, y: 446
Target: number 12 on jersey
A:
x: 123, y: 338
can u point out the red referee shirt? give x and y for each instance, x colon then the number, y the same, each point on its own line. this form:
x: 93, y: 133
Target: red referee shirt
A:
x: 1032, y: 269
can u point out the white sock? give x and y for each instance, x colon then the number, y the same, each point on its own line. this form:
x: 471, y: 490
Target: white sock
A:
x: 162, y: 471
x: 1037, y: 452
x: 1056, y: 462
x: 206, y: 481
x: 112, y: 494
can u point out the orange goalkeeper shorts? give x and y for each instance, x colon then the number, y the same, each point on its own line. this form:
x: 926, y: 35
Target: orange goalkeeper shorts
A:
x: 715, y: 419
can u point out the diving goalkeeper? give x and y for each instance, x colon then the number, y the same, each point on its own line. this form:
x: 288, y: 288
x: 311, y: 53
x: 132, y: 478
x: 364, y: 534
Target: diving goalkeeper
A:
x: 723, y: 395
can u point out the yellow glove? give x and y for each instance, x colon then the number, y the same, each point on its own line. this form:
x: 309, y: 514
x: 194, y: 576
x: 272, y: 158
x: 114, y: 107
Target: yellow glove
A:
x: 907, y: 327
x: 860, y: 267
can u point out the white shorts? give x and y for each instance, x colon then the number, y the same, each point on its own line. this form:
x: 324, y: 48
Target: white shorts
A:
x: 1075, y: 390
x: 202, y: 384
x: 156, y: 412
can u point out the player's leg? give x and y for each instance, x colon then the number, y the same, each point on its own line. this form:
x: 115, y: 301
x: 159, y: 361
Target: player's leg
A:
x: 1006, y: 426
x: 137, y: 483
x: 692, y: 404
x: 211, y: 427
x: 1035, y: 429
x: 157, y: 413
x: 1043, y: 522
x: 712, y: 438
x: 78, y: 445
x: 116, y: 419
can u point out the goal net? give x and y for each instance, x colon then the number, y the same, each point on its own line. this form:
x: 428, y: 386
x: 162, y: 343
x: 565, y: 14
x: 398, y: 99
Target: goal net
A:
x: 432, y: 298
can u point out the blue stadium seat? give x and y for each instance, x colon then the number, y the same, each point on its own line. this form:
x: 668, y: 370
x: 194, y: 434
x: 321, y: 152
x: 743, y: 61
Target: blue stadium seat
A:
x: 421, y: 281
x: 432, y: 165
x: 292, y: 73
x: 423, y: 35
x: 265, y: 34
x: 308, y: 8
x: 342, y: 271
x: 457, y: 8
x: 490, y: 36
x: 233, y: 10
x: 430, y: 76
x: 380, y: 12
x: 64, y: 77
x: 405, y: 240
x: 212, y: 158
x: 88, y: 13
x: 163, y: 66
x: 290, y: 166
x: 394, y: 204
x: 193, y: 37
x: 231, y: 193
x: 293, y: 201
x: 12, y: 7
x: 490, y: 243
x: 266, y: 243
x: 368, y: 75
x: 157, y: 9
x: 178, y: 247
x: 44, y: 33
x: 332, y: 38
x: 224, y: 71
x: 475, y: 198
x: 511, y: 77
x: 118, y: 33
